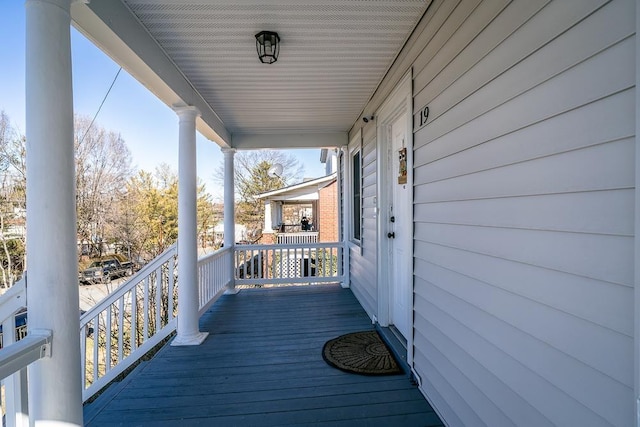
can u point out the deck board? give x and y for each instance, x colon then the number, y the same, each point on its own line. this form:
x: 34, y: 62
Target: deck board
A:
x: 262, y: 365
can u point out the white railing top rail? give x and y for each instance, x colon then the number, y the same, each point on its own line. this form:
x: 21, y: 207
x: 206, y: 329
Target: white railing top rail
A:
x: 129, y: 284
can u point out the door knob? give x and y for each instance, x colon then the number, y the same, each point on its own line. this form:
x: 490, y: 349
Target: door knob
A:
x: 391, y: 235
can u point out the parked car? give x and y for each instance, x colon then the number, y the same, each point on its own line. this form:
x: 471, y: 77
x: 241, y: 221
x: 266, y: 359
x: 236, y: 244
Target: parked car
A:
x: 104, y: 270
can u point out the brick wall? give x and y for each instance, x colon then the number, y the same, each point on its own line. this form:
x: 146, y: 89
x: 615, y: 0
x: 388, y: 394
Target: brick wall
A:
x: 267, y: 239
x: 328, y: 213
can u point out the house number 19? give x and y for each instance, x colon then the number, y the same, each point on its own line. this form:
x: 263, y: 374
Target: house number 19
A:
x: 424, y: 115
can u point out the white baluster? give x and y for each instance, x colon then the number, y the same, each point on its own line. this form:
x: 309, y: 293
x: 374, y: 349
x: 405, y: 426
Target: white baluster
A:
x: 108, y: 340
x: 121, y: 328
x: 145, y: 309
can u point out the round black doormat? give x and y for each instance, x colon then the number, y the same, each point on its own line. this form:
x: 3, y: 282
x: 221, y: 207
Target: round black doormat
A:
x: 361, y: 353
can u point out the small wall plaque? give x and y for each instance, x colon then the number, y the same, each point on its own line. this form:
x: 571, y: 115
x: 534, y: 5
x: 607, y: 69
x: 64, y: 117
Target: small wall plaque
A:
x: 402, y: 170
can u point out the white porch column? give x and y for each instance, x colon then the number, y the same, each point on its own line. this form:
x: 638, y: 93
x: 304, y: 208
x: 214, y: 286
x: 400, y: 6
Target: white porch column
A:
x: 188, y: 301
x: 278, y: 212
x: 268, y: 223
x: 229, y: 212
x: 55, y: 384
x: 343, y: 206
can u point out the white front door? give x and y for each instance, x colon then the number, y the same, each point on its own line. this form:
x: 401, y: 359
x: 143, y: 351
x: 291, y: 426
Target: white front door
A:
x: 400, y: 229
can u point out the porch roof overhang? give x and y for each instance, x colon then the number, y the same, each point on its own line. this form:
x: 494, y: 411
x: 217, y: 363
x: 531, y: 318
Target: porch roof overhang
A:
x: 202, y: 53
x: 300, y: 190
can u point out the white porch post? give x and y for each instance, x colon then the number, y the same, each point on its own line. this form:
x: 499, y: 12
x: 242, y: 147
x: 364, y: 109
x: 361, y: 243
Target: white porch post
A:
x: 188, y: 301
x: 277, y: 212
x: 55, y: 385
x: 229, y: 212
x: 343, y: 206
x: 268, y: 223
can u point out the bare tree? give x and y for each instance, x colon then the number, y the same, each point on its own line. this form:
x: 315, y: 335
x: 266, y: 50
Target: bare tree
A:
x: 12, y: 202
x: 251, y: 174
x: 103, y: 167
x: 124, y: 224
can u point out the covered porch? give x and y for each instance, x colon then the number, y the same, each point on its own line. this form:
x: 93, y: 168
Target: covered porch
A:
x: 488, y: 209
x: 262, y: 365
x: 69, y: 359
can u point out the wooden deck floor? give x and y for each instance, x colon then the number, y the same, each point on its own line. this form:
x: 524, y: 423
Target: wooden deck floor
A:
x: 262, y: 366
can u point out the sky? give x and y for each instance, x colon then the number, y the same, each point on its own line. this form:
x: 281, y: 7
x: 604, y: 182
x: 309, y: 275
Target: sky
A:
x: 149, y: 127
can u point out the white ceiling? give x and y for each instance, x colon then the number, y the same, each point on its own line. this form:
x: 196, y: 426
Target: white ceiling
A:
x: 333, y: 55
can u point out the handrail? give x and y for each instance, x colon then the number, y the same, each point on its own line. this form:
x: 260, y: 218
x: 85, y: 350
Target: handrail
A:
x: 21, y: 354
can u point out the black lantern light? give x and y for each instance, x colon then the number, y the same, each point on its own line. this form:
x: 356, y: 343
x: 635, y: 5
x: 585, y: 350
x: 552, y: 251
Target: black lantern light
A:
x: 268, y: 46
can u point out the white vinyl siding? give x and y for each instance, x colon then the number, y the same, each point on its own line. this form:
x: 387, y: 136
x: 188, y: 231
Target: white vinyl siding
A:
x: 524, y: 197
x: 524, y: 184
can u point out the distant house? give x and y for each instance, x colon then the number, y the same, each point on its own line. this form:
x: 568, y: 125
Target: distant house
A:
x: 313, y: 203
x: 218, y: 233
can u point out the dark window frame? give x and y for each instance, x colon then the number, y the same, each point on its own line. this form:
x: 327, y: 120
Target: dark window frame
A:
x: 356, y: 195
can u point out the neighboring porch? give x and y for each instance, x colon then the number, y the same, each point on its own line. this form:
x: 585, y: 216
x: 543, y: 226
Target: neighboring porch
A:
x: 306, y: 212
x: 262, y: 365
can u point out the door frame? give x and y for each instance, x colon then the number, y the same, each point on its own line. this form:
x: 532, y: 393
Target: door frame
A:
x: 398, y: 102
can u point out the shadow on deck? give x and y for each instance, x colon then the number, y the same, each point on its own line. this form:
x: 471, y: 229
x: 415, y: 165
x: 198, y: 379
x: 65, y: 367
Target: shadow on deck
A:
x: 262, y: 366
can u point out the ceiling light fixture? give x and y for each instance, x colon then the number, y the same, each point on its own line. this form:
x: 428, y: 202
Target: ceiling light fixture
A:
x: 268, y: 46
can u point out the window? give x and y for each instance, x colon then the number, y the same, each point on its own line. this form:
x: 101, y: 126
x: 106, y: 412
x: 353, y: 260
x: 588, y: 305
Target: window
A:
x: 356, y: 196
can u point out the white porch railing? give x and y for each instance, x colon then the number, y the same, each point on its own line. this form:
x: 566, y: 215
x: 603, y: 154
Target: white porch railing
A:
x: 289, y: 264
x: 129, y: 322
x: 299, y: 237
x: 119, y: 330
